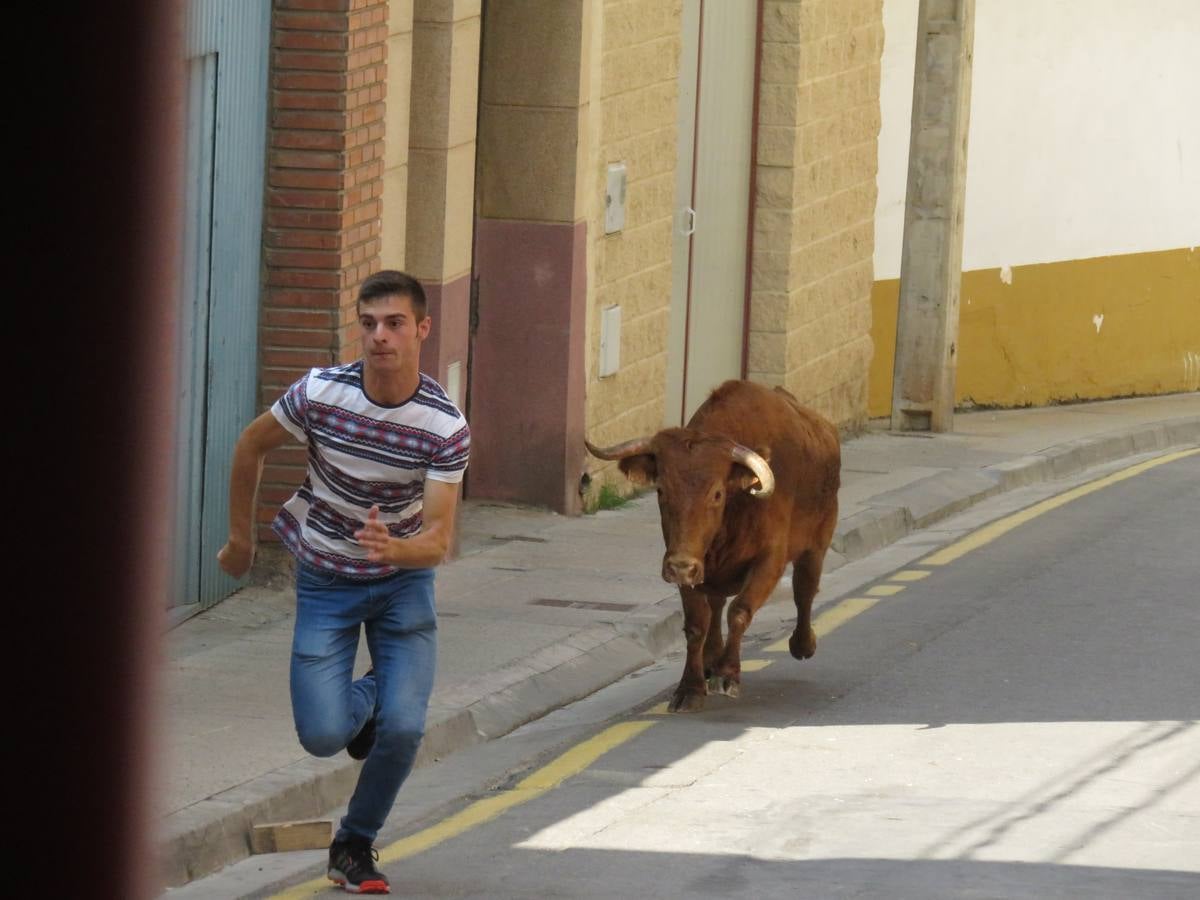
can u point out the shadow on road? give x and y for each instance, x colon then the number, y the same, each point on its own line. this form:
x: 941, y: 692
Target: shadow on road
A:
x: 596, y: 874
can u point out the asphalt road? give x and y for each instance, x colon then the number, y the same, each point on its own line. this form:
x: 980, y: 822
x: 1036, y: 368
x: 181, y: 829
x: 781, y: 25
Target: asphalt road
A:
x: 1022, y: 721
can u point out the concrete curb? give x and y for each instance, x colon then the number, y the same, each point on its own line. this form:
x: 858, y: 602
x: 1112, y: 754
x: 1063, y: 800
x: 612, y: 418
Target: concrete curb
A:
x: 895, y: 514
x: 215, y: 832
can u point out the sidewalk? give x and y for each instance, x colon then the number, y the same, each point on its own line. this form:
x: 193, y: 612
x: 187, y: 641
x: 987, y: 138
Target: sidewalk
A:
x: 539, y: 610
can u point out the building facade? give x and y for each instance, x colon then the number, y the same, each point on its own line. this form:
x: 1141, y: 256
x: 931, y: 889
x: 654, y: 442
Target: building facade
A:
x: 1081, y: 276
x: 614, y: 205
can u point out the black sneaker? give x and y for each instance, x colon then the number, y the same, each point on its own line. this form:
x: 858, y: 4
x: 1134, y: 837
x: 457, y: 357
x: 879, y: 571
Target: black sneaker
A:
x: 360, y: 745
x: 352, y: 865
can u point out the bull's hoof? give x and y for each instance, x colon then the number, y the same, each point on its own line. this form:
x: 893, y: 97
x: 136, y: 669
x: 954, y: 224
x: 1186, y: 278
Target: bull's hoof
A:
x: 802, y: 646
x: 724, y: 684
x: 686, y: 701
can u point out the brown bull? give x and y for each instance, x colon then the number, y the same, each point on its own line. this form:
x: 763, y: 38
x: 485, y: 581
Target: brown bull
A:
x: 747, y: 487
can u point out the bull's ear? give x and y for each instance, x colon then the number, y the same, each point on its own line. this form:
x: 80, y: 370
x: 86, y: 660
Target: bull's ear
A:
x: 741, y: 478
x: 640, y: 469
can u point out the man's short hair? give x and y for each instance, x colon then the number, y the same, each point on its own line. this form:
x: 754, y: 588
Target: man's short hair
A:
x: 392, y: 283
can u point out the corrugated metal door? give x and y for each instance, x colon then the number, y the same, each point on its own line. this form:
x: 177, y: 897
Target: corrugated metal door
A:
x: 226, y: 119
x: 716, y: 114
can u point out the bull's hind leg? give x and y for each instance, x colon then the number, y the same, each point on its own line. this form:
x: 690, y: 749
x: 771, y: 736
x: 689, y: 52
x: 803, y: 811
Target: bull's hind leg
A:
x: 689, y: 695
x: 806, y: 579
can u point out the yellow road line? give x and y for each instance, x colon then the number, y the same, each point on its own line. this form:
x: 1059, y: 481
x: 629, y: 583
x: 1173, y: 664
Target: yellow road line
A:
x: 885, y: 590
x: 755, y: 665
x: 581, y: 756
x: 535, y: 785
x: 989, y: 533
x: 829, y: 620
x: 908, y: 575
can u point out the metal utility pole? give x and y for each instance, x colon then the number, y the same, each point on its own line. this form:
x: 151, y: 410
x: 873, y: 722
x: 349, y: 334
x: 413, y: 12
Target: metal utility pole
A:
x: 931, y: 258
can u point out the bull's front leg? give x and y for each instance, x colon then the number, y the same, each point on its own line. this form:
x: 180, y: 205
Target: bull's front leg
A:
x: 714, y: 642
x: 689, y: 695
x: 726, y: 675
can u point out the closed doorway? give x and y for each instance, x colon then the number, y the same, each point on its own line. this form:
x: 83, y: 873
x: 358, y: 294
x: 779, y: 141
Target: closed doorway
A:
x: 712, y: 202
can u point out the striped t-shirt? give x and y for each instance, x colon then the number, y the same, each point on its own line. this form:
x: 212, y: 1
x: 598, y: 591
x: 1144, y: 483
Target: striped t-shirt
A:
x: 361, y: 453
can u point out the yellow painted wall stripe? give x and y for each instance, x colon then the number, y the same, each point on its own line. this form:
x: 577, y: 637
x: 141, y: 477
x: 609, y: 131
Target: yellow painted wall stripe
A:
x: 829, y: 620
x: 989, y: 533
x: 885, y: 590
x: 482, y: 811
x: 909, y: 575
x: 1017, y: 349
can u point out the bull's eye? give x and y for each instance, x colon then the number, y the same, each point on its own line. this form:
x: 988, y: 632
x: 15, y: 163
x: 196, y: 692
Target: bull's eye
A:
x: 717, y: 496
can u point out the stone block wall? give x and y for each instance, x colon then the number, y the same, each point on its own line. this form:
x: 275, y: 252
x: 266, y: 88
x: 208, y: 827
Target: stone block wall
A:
x: 635, y: 91
x: 393, y: 221
x: 815, y: 202
x: 441, y: 176
x: 527, y: 353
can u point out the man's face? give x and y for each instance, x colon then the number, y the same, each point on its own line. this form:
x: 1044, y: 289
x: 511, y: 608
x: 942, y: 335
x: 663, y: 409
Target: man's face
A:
x: 391, y: 334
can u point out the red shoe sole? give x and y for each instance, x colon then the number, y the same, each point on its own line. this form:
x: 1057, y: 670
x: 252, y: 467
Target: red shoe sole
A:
x: 367, y: 887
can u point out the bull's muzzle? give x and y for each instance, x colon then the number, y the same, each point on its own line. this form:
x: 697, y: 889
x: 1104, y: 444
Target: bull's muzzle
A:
x: 681, y: 569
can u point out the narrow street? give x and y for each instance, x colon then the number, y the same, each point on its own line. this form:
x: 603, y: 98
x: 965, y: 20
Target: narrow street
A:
x: 1021, y: 721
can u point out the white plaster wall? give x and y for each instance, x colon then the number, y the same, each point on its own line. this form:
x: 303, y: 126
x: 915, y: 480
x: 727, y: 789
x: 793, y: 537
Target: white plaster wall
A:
x: 1085, y: 130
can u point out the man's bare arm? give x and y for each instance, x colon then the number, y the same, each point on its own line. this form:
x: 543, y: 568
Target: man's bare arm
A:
x: 426, y: 548
x: 259, y: 438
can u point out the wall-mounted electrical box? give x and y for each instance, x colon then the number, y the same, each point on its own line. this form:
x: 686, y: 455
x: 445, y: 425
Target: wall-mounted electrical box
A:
x: 610, y: 341
x: 614, y: 199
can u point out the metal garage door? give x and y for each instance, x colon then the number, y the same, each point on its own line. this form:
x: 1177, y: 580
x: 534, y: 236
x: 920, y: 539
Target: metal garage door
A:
x: 227, y: 45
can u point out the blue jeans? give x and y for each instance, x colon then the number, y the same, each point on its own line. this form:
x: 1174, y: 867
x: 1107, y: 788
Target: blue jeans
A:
x: 329, y: 707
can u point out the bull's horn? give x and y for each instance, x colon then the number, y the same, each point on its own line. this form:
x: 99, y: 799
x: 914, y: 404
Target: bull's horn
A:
x: 760, y: 468
x: 619, y: 451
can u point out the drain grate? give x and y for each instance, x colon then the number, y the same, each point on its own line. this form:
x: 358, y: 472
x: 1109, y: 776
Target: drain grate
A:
x: 582, y: 604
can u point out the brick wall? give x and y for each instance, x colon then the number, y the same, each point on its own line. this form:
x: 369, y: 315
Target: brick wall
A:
x: 815, y: 202
x: 324, y: 184
x: 634, y: 122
